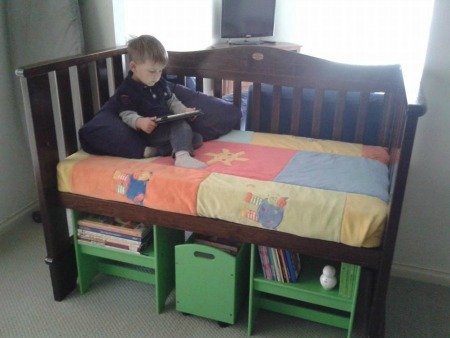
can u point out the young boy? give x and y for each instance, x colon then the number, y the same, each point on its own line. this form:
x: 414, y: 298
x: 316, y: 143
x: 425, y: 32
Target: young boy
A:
x: 141, y: 98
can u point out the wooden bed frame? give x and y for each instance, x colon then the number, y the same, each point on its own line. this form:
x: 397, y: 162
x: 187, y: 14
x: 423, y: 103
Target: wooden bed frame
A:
x: 60, y: 95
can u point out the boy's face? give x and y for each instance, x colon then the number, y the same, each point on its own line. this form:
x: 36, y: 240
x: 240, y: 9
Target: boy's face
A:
x: 147, y: 73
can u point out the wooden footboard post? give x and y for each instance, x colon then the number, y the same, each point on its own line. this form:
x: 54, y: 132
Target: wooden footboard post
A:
x: 378, y: 307
x: 44, y: 152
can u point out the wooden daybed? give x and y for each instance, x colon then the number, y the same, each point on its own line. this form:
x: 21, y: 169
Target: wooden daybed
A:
x: 60, y: 95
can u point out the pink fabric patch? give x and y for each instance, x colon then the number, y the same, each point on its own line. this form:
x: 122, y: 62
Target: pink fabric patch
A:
x: 376, y: 153
x: 240, y: 159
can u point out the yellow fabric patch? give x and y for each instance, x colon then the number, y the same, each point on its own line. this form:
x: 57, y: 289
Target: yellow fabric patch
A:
x: 307, y: 144
x: 364, y: 220
x: 306, y: 212
x: 64, y: 170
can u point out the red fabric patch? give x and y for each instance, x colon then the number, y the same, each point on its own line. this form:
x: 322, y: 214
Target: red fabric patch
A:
x: 240, y: 159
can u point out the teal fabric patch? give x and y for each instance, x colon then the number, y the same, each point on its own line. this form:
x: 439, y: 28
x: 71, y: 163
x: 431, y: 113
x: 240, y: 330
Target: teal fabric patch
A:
x: 237, y: 136
x: 336, y: 172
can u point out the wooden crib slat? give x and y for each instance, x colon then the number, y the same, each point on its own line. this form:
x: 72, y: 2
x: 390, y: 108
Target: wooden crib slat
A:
x: 256, y: 107
x: 102, y: 81
x: 94, y: 85
x: 217, y: 87
x: 59, y: 129
x: 86, y: 92
x: 237, y: 96
x: 199, y: 83
x: 117, y: 61
x: 296, y: 111
x: 76, y: 99
x: 67, y: 111
x: 362, y: 115
x: 275, y: 115
x: 339, y: 115
x: 317, y: 112
x: 386, y: 118
x: 110, y: 76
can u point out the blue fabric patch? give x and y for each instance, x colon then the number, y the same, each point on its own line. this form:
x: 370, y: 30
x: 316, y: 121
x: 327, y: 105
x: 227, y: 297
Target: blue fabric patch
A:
x: 237, y: 136
x: 336, y: 172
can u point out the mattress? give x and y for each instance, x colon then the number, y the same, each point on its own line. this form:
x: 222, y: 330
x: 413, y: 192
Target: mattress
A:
x: 313, y: 188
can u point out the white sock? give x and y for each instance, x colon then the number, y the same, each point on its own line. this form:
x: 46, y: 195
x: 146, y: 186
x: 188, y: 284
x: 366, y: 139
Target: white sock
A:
x: 185, y: 160
x: 150, y: 152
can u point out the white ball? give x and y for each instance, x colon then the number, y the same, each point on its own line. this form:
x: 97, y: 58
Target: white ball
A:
x: 329, y: 271
x: 328, y: 282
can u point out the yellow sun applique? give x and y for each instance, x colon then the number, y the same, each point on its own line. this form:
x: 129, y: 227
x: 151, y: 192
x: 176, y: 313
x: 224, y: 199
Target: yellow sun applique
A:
x: 226, y: 157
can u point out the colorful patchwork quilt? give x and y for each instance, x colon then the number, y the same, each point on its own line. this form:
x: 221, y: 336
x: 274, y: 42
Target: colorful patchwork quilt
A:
x: 322, y: 189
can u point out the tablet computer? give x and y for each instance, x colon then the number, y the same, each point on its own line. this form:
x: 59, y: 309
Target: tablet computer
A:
x: 174, y: 117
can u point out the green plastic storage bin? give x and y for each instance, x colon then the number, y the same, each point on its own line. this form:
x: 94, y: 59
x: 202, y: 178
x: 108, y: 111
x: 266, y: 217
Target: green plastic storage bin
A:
x: 210, y: 282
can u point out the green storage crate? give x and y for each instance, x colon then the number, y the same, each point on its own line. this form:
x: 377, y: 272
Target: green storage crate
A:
x: 305, y: 298
x: 155, y: 265
x: 210, y: 282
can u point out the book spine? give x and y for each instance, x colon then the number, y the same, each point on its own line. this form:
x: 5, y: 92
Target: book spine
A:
x: 263, y: 251
x: 105, y: 243
x: 277, y: 264
x: 138, y: 232
x: 297, y: 264
x: 263, y: 263
x: 290, y: 266
x: 82, y: 233
x: 272, y: 264
x: 283, y: 265
x: 267, y: 263
x: 111, y: 233
x: 110, y: 245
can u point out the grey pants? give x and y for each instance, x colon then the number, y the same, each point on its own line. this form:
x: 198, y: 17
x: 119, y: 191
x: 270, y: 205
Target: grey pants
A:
x: 172, y: 137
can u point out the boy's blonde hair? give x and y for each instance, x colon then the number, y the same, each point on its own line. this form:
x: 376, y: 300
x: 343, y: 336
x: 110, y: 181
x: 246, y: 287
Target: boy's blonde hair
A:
x: 147, y: 47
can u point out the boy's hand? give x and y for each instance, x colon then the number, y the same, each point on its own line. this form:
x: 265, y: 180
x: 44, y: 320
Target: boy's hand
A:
x: 146, y: 124
x: 191, y: 109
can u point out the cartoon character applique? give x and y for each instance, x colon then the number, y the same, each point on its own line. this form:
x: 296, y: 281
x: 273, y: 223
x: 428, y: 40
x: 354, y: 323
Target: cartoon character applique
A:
x: 269, y: 211
x: 133, y: 185
x: 226, y: 157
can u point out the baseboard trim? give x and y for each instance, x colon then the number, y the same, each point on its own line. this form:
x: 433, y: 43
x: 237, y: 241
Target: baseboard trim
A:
x: 420, y: 274
x: 10, y: 221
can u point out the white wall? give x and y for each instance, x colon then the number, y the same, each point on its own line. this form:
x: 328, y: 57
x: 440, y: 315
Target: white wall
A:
x: 17, y: 188
x: 179, y: 25
x: 424, y: 235
x: 98, y: 24
x: 51, y: 29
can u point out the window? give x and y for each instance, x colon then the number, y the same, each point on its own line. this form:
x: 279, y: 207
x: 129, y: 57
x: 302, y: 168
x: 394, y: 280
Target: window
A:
x: 360, y: 31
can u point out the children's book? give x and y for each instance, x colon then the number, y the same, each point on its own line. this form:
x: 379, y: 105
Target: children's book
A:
x: 114, y: 224
x: 229, y: 246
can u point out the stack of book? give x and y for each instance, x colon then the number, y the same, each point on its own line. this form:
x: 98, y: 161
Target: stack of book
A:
x: 113, y: 233
x: 226, y: 245
x: 347, y: 279
x: 279, y: 264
